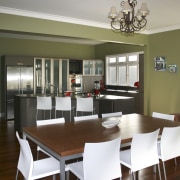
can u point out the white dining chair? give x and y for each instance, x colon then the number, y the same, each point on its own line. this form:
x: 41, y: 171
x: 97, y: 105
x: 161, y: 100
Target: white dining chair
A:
x: 143, y: 153
x: 111, y: 114
x: 82, y: 118
x: 44, y: 103
x: 168, y: 117
x: 34, y: 169
x: 63, y: 104
x: 163, y: 116
x: 47, y: 122
x: 169, y: 146
x: 84, y: 105
x: 100, y: 161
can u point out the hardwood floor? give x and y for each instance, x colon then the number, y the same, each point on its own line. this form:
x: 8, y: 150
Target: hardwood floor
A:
x: 9, y: 153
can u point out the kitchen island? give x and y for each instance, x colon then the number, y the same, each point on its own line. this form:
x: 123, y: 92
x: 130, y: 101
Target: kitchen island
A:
x: 25, y: 107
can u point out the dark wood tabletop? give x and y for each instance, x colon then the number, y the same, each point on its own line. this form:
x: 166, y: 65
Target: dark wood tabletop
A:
x: 69, y: 138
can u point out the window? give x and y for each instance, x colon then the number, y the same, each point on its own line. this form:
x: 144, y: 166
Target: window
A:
x: 122, y: 69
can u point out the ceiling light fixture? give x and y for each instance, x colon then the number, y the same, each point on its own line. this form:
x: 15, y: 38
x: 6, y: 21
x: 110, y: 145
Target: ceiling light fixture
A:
x: 126, y: 21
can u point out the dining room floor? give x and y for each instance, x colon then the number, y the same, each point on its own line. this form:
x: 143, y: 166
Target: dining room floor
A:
x: 9, y: 153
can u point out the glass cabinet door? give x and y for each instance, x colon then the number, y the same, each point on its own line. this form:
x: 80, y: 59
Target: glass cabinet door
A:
x: 99, y: 67
x: 93, y: 67
x: 56, y: 73
x: 38, y: 76
x: 88, y: 67
x: 47, y: 70
x: 51, y: 75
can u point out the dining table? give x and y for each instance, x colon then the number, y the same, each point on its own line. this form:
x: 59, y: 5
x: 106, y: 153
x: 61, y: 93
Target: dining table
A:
x: 66, y: 141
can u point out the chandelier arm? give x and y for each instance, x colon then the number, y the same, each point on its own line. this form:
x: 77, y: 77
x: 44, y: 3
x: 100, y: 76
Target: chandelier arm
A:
x: 128, y: 22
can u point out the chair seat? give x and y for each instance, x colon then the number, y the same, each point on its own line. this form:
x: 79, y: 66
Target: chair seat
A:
x: 45, y: 167
x: 125, y: 158
x: 77, y: 169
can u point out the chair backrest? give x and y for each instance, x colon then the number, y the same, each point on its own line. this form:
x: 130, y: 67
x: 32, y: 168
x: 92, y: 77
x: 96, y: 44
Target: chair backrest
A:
x: 44, y: 103
x: 111, y: 114
x: 84, y: 104
x: 25, y: 163
x: 101, y: 160
x: 170, y: 143
x: 50, y: 121
x: 163, y: 116
x: 144, y: 152
x: 63, y: 103
x: 80, y: 118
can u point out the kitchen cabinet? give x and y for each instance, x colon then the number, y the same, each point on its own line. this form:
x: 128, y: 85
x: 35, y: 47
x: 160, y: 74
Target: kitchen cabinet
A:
x: 51, y: 75
x: 93, y: 67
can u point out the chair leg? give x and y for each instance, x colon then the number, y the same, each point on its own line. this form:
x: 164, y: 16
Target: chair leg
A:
x: 54, y: 177
x: 154, y: 169
x: 175, y: 160
x: 37, y: 114
x: 62, y: 113
x: 37, y: 155
x: 17, y: 174
x: 70, y: 115
x: 164, y: 169
x: 159, y: 171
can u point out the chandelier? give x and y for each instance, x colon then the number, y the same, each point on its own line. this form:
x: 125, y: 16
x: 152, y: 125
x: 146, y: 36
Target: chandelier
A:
x: 126, y: 21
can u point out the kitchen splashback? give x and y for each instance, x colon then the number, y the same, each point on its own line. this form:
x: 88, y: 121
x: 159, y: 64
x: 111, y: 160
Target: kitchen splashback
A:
x: 88, y: 82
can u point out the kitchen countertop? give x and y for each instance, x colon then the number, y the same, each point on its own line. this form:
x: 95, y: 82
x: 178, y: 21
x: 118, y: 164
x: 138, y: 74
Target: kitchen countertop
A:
x: 73, y: 96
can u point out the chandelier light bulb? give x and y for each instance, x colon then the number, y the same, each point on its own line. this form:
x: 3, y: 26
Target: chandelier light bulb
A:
x: 126, y: 7
x: 113, y: 13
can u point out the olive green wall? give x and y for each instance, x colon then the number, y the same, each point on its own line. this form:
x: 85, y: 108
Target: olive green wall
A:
x: 26, y: 47
x: 115, y: 48
x: 162, y: 89
x: 37, y: 26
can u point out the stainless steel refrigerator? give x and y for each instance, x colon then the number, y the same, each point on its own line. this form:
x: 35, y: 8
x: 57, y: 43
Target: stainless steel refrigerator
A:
x: 19, y: 81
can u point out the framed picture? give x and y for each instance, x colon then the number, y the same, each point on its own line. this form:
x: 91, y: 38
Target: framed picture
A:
x: 160, y: 63
x: 172, y: 68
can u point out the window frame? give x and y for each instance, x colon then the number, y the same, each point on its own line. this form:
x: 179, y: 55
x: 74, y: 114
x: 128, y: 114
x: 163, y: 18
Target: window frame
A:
x: 118, y: 64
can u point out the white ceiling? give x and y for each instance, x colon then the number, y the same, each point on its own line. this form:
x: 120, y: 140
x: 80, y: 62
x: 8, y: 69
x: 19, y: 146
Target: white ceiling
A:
x: 164, y: 14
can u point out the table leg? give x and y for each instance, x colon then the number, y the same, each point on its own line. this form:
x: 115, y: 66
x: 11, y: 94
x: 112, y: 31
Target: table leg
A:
x: 62, y: 169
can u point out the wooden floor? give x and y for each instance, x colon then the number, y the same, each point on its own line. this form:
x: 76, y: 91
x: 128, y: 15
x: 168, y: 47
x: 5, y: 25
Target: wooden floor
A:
x: 9, y: 152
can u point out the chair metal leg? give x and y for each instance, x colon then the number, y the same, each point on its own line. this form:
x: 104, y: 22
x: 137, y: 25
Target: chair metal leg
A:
x: 17, y: 172
x: 175, y: 160
x: 159, y: 172
x: 154, y: 169
x: 36, y: 114
x: 54, y: 177
x: 70, y: 115
x: 37, y: 155
x: 164, y: 169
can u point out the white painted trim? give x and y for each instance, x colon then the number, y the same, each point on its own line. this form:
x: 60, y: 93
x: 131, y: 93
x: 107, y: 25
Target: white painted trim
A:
x: 33, y: 14
x: 53, y: 17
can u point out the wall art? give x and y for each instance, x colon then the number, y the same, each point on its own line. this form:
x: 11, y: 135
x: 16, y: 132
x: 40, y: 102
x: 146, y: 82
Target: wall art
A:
x: 160, y: 63
x: 172, y: 68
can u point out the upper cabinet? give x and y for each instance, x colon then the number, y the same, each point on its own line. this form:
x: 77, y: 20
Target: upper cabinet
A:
x: 93, y: 67
x: 50, y: 74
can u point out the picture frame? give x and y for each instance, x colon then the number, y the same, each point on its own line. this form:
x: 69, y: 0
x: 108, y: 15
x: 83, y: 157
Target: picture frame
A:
x: 172, y: 68
x: 160, y: 63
